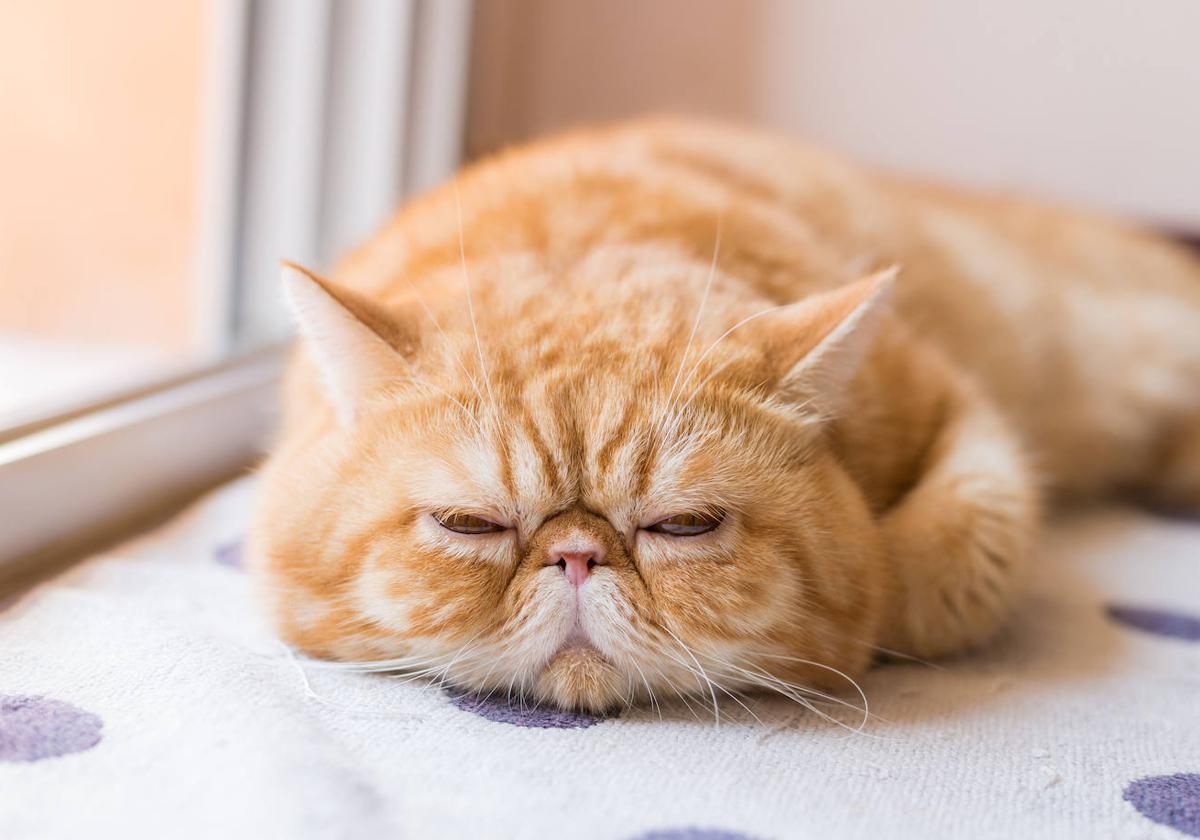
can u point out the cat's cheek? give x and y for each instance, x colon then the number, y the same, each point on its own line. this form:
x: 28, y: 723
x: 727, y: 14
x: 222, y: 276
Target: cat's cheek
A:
x: 381, y: 595
x: 748, y: 589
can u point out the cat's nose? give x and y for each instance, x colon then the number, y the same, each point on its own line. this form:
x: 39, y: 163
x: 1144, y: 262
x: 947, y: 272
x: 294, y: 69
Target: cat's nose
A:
x: 576, y: 558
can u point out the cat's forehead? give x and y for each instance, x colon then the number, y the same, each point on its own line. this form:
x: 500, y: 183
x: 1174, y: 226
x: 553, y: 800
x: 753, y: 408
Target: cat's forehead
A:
x: 590, y: 396
x: 609, y: 442
x: 636, y: 296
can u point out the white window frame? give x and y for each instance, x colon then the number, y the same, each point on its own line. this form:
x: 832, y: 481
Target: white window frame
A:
x: 321, y: 115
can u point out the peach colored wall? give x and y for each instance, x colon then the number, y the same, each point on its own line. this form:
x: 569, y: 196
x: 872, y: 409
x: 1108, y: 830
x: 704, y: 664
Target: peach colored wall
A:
x: 99, y: 142
x: 1090, y: 101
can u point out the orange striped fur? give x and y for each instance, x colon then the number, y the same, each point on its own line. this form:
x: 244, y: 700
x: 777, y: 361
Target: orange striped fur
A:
x: 578, y: 339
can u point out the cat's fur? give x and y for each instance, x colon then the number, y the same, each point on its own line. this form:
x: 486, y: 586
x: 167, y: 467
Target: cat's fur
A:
x: 667, y: 317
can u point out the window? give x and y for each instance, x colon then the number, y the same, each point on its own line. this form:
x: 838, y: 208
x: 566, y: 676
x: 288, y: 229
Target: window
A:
x: 158, y: 161
x: 99, y: 149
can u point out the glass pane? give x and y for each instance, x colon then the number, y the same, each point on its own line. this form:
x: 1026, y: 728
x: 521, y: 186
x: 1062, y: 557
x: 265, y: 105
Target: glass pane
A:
x: 100, y: 139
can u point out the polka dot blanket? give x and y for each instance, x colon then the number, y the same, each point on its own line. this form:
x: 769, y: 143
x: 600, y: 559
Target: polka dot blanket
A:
x: 141, y: 696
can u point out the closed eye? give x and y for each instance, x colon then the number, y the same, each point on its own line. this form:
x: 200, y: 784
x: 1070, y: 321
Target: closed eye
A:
x: 467, y: 523
x: 687, y: 524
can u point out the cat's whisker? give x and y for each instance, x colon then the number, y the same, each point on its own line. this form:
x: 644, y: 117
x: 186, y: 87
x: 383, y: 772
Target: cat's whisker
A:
x: 424, y: 678
x: 715, y: 677
x: 793, y: 693
x: 660, y: 649
x: 453, y: 399
x: 716, y: 371
x: 712, y: 690
x: 487, y: 676
x: 675, y: 415
x: 726, y: 334
x: 369, y: 666
x: 813, y: 694
x: 857, y: 687
x: 712, y: 272
x: 445, y: 339
x: 462, y: 254
x: 708, y: 679
x: 797, y: 693
x: 311, y: 694
x: 649, y: 690
x: 512, y: 680
x: 463, y: 649
x: 899, y: 655
x: 683, y: 697
x: 733, y: 695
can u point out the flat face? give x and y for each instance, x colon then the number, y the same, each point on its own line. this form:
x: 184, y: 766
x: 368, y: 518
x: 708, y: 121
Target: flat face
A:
x: 566, y: 497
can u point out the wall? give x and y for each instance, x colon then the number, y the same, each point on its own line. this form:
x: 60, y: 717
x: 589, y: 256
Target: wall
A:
x: 1090, y: 101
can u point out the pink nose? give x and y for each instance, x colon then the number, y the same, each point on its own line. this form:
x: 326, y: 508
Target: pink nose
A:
x: 577, y: 558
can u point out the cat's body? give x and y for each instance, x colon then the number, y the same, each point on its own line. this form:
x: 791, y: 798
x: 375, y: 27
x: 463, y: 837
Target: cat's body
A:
x: 876, y: 475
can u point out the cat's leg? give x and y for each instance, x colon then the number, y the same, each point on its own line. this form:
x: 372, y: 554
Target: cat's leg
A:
x: 959, y: 541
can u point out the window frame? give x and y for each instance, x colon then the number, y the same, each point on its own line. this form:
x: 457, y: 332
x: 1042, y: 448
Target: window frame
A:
x: 310, y: 161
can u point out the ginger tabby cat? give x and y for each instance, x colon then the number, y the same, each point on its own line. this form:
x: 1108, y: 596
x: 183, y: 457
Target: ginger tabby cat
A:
x: 647, y: 410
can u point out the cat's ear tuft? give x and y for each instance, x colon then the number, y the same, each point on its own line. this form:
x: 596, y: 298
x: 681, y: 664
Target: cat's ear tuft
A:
x: 345, y: 333
x: 821, y: 340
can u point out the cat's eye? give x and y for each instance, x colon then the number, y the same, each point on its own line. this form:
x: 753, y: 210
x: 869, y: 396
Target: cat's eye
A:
x: 467, y: 523
x: 687, y: 524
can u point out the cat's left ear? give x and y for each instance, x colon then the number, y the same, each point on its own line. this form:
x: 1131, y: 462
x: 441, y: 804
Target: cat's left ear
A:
x: 355, y: 344
x: 819, y: 342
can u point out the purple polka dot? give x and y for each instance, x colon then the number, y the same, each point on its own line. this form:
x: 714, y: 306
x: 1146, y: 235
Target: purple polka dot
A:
x: 1159, y: 622
x: 33, y: 728
x: 1171, y: 800
x: 693, y: 834
x: 229, y: 554
x: 499, y: 710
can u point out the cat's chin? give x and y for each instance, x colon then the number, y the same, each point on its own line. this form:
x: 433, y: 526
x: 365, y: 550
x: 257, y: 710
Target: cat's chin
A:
x: 579, y: 677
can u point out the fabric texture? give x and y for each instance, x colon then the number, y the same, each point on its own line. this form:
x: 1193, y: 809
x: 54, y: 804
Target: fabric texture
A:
x: 142, y: 695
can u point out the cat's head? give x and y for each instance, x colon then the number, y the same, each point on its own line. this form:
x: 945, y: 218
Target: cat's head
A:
x: 586, y: 491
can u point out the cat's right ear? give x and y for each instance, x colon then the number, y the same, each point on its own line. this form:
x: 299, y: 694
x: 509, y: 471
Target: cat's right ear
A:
x: 819, y: 342
x: 353, y: 342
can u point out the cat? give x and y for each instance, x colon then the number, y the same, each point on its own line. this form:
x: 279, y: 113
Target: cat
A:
x: 678, y: 407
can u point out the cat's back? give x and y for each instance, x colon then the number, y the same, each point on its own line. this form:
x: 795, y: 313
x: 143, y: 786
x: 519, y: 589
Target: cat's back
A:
x: 1021, y: 294
x: 777, y: 198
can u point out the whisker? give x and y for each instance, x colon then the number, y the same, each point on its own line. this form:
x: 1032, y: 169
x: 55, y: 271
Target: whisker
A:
x: 712, y: 681
x: 712, y: 272
x: 712, y: 691
x: 842, y: 674
x: 683, y: 697
x: 310, y: 694
x: 462, y: 253
x: 445, y: 339
x: 649, y: 690
x: 734, y: 696
x: 726, y: 335
x: 790, y: 690
x: 792, y: 693
x: 898, y: 655
x: 703, y: 382
x: 370, y: 666
x: 453, y: 399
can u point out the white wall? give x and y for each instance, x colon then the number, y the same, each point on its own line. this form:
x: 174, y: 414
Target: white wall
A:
x: 1091, y: 101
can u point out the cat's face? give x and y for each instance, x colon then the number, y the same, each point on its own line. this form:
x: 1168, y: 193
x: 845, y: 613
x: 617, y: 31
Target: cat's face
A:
x: 589, y: 505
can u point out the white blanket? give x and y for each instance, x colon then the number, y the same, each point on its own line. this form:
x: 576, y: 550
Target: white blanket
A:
x: 141, y: 696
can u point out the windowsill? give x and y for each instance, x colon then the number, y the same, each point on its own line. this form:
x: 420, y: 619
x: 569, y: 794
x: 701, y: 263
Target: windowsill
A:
x: 88, y: 477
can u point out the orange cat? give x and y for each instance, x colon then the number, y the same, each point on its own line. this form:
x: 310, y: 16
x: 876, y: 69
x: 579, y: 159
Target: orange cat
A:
x: 647, y: 411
